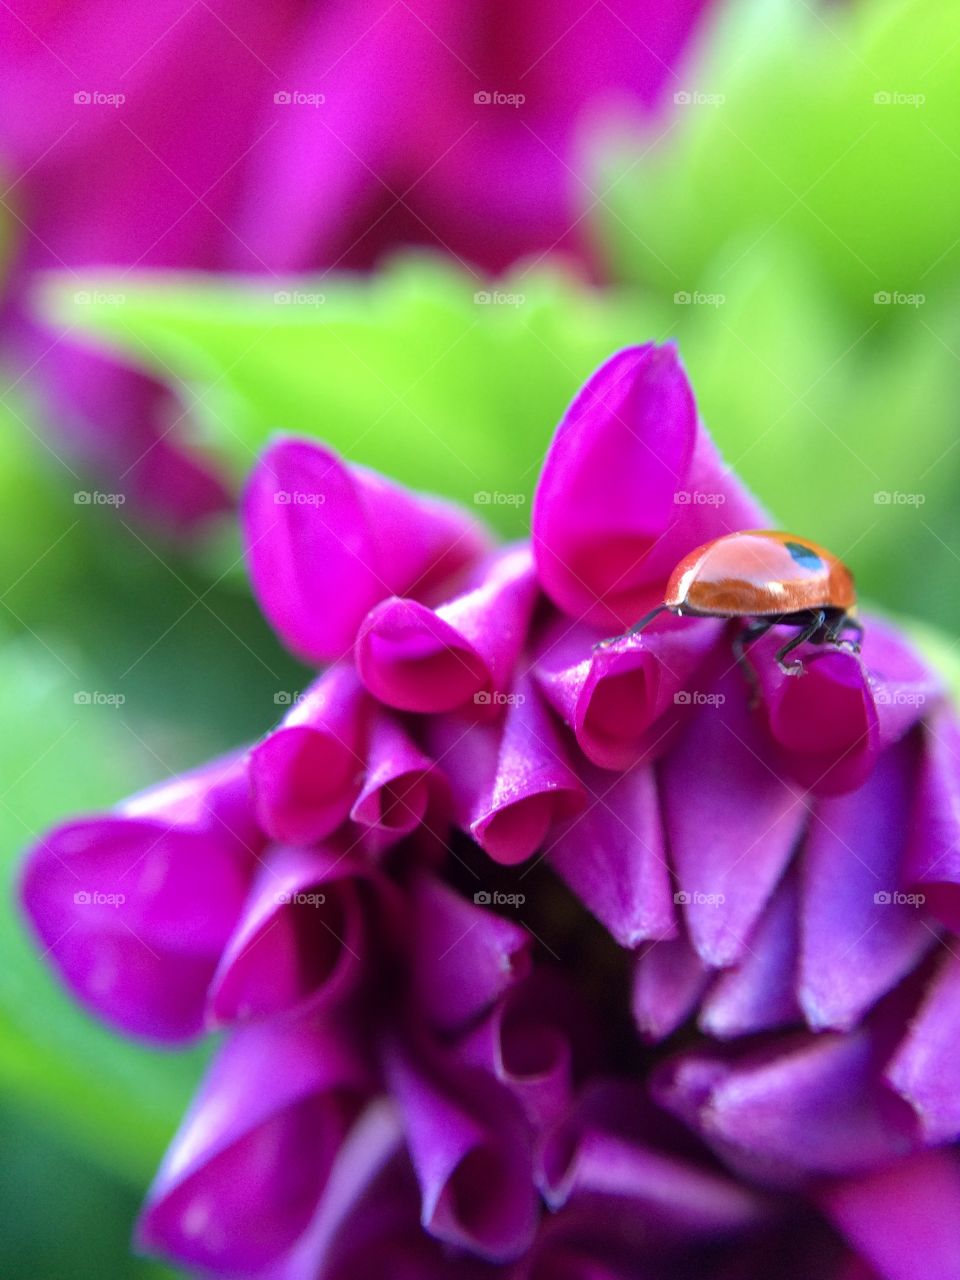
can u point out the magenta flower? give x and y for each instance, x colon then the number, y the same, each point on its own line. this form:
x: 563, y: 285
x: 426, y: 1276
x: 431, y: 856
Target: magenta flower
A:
x: 290, y: 137
x: 536, y: 958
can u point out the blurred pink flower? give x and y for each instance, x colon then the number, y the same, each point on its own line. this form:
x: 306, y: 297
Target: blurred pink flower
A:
x: 293, y: 136
x: 538, y: 959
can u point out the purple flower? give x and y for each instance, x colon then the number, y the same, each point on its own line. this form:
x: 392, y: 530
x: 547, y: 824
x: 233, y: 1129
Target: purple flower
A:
x: 535, y: 958
x: 293, y: 137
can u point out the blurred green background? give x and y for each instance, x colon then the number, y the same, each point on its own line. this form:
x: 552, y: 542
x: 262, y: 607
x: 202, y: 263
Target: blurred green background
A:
x: 806, y: 196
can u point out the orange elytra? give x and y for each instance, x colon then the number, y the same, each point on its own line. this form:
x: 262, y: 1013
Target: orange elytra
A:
x: 770, y: 578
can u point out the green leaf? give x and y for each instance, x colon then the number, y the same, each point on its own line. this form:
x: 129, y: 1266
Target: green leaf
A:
x: 118, y: 1101
x: 439, y: 380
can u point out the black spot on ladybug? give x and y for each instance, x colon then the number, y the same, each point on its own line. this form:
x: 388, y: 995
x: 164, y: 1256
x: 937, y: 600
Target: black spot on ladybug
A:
x: 804, y: 556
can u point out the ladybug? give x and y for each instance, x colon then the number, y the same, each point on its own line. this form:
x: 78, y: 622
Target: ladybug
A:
x: 769, y: 578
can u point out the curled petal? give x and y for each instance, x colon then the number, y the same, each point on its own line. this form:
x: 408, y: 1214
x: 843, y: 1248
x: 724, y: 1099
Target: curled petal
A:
x: 622, y: 701
x: 613, y: 856
x: 244, y: 1174
x: 529, y: 1043
x: 830, y: 724
x: 925, y: 1069
x: 903, y: 1220
x: 510, y: 781
x: 813, y: 1105
x: 420, y: 659
x: 464, y: 956
x: 135, y: 907
x: 759, y: 993
x: 933, y: 851
x: 859, y: 934
x: 717, y: 780
x: 597, y: 1151
x: 307, y: 773
x: 629, y: 485
x: 302, y: 939
x: 669, y: 978
x: 325, y: 542
x: 471, y: 1153
x: 402, y: 788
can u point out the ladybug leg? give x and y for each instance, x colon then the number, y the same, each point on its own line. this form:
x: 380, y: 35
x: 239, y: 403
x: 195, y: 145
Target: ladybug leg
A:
x: 851, y: 624
x: 806, y: 633
x: 746, y: 635
x: 637, y: 627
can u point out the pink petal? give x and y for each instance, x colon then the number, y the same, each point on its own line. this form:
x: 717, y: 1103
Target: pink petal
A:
x: 669, y: 978
x: 925, y: 1069
x: 529, y: 1042
x: 420, y: 659
x: 596, y: 1151
x: 247, y: 1167
x: 510, y: 781
x: 857, y: 939
x: 810, y: 1105
x: 932, y: 863
x: 717, y: 780
x: 135, y: 907
x: 472, y: 1157
x: 325, y: 542
x: 622, y: 701
x: 629, y: 486
x: 613, y: 857
x: 402, y: 789
x: 306, y: 774
x: 301, y: 941
x: 903, y: 1219
x: 759, y: 995
x: 464, y: 957
x: 831, y: 723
